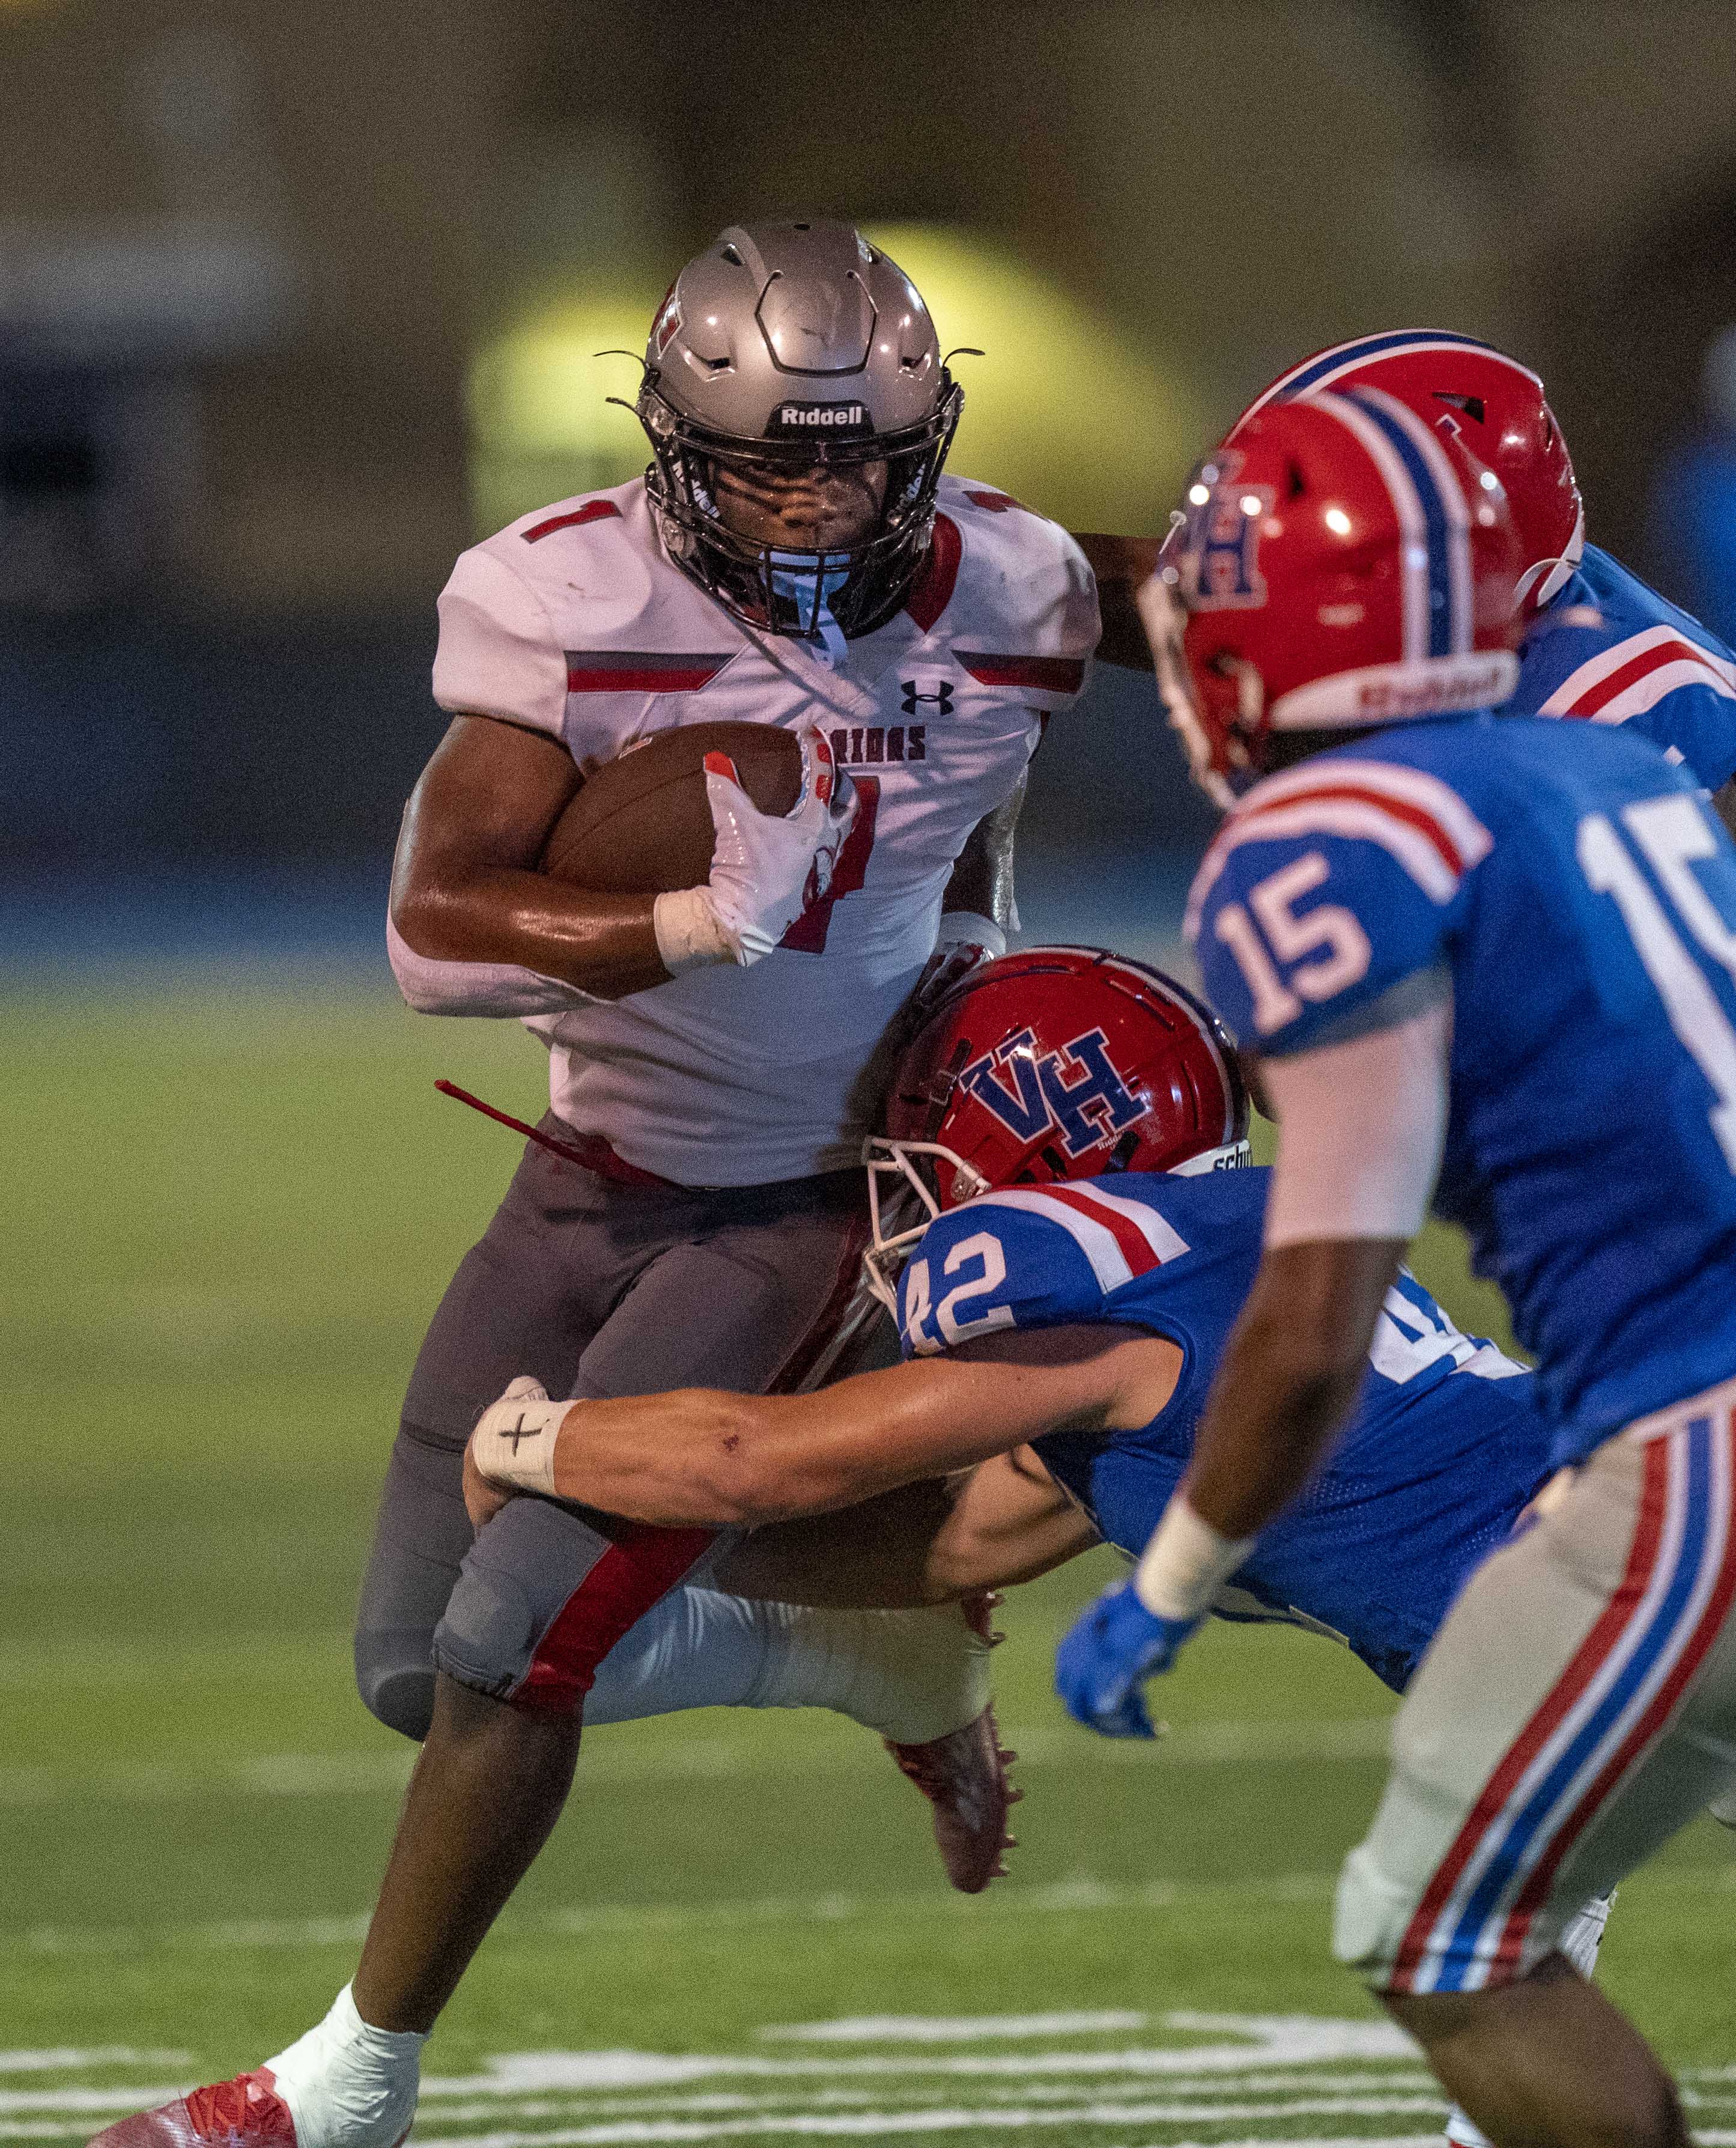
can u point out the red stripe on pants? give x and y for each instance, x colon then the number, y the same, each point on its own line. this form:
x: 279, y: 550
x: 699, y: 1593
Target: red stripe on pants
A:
x: 643, y: 1563
x: 1633, y: 1750
x: 1604, y: 1639
x: 633, y: 1573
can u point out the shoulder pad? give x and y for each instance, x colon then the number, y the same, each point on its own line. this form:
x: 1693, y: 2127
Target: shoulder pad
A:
x: 1329, y: 885
x: 1026, y: 1257
x: 1024, y: 592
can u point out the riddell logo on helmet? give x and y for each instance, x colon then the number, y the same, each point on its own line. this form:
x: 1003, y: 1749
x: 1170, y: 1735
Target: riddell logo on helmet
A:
x: 821, y: 417
x: 1470, y: 686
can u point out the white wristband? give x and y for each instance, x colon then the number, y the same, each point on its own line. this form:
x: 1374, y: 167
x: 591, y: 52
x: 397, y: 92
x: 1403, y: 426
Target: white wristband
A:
x: 1185, y: 1563
x: 514, y: 1443
x: 965, y: 928
x: 690, y: 933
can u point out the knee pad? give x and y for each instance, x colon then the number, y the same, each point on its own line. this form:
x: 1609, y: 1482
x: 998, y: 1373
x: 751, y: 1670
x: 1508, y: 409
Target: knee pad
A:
x: 395, y: 1677
x: 542, y: 1597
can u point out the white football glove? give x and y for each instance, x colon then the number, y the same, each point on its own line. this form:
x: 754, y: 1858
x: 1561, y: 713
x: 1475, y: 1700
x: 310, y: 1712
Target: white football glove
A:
x: 963, y: 943
x: 766, y: 869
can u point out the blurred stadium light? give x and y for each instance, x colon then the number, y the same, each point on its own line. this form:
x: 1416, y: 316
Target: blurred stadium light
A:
x: 542, y: 426
x: 1063, y: 409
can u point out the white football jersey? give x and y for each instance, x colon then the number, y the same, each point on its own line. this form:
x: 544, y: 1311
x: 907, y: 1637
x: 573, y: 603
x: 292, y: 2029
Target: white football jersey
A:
x: 574, y: 621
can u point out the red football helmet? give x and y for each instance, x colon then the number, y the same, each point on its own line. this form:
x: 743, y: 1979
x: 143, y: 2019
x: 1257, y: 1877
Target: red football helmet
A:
x: 1339, y: 565
x: 1496, y: 405
x: 1053, y: 1063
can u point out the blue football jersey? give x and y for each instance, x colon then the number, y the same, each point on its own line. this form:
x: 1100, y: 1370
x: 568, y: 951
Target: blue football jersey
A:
x: 1445, y: 1445
x: 1581, y: 895
x: 1609, y: 649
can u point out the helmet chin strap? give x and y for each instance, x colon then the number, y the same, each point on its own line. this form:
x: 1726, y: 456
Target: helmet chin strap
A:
x: 799, y: 582
x: 1545, y: 580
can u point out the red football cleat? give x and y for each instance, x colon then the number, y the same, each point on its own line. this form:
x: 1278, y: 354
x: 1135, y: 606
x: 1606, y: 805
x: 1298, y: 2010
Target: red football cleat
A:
x: 963, y: 1775
x: 247, y: 2112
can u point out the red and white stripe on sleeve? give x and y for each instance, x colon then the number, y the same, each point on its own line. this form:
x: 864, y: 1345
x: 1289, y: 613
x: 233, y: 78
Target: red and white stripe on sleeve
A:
x: 1636, y: 674
x: 1418, y: 819
x: 1120, y: 1238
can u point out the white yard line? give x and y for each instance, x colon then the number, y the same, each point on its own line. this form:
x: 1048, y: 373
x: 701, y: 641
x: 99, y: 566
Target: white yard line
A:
x: 1191, y: 2112
x: 871, y: 2123
x: 892, y: 2122
x: 62, y: 2061
x: 965, y: 2029
x: 1082, y: 1895
x: 520, y: 2110
x: 383, y: 1771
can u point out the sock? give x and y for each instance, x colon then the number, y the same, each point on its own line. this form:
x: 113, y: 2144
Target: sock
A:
x: 910, y: 1675
x: 349, y: 2084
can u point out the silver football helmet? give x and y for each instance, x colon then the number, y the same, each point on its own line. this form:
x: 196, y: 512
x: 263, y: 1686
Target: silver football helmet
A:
x: 782, y: 346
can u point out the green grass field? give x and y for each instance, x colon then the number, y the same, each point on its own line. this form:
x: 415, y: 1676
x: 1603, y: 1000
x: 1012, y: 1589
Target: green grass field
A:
x: 231, y: 1217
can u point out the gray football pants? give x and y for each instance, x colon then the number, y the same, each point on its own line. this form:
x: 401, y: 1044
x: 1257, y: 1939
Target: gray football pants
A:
x: 598, y: 1289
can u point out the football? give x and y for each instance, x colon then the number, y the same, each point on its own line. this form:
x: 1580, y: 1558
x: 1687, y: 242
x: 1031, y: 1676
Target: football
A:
x: 642, y: 825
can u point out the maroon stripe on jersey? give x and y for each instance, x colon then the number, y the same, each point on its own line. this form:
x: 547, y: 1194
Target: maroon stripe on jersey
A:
x: 805, y: 1353
x: 932, y: 591
x: 594, y: 510
x: 1052, y: 674
x: 998, y: 503
x: 642, y: 670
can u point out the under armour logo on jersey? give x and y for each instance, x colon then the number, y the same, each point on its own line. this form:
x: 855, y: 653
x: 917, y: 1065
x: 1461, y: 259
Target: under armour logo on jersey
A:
x: 1076, y: 1090
x: 941, y: 700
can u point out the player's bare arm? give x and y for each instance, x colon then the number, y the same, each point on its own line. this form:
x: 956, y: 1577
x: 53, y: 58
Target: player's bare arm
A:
x: 701, y: 1457
x: 982, y: 880
x: 1120, y: 565
x: 1003, y: 1523
x: 465, y: 886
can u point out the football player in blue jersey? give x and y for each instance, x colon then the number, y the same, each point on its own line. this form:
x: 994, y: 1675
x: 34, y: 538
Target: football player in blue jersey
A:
x: 1067, y: 1122
x: 1494, y: 960
x: 1598, y: 644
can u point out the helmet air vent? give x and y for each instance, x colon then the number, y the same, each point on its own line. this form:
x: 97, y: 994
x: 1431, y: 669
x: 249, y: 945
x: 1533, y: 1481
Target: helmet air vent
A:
x: 1473, y: 405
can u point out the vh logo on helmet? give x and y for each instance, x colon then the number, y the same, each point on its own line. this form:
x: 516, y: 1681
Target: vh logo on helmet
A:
x: 1075, y: 1091
x: 1220, y: 540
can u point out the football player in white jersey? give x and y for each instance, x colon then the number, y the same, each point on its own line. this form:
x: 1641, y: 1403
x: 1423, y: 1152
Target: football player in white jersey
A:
x: 793, y: 557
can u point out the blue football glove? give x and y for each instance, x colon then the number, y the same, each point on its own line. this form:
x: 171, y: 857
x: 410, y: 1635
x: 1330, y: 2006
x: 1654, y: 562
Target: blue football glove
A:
x: 1111, y: 1648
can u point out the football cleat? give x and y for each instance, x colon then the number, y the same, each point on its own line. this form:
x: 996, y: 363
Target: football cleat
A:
x: 247, y: 2112
x: 963, y: 1775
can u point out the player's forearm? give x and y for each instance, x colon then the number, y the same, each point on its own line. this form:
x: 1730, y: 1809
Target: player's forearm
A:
x: 931, y: 1542
x: 702, y: 1458
x: 605, y: 945
x: 1121, y: 565
x: 1290, y: 1376
x: 982, y: 880
x: 1008, y: 1523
